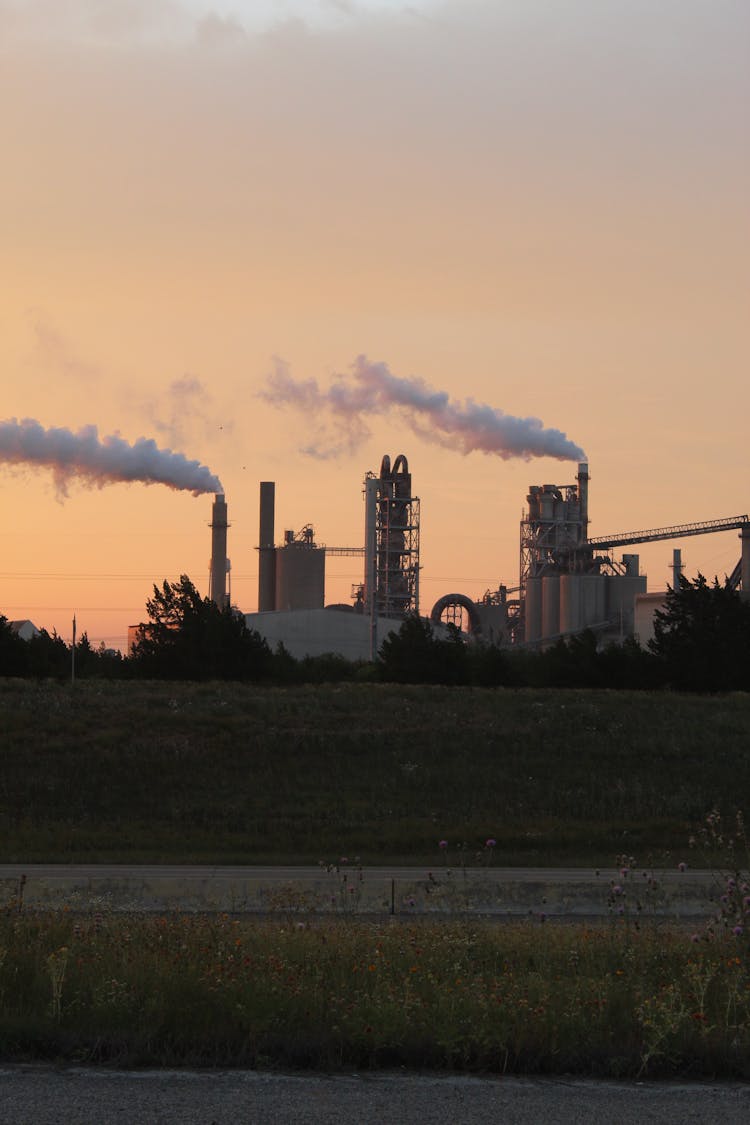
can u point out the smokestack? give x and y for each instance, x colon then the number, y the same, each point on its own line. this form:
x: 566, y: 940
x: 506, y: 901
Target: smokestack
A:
x: 219, y: 525
x: 745, y: 563
x: 583, y: 497
x: 266, y: 548
x: 676, y: 568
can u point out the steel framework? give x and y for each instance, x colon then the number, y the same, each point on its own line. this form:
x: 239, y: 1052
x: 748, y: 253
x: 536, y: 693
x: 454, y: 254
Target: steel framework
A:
x: 392, y: 550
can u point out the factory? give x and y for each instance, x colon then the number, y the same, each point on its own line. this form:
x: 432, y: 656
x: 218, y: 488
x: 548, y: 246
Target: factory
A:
x: 568, y: 582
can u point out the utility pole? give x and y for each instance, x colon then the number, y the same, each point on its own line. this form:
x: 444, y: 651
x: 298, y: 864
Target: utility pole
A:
x: 73, y: 654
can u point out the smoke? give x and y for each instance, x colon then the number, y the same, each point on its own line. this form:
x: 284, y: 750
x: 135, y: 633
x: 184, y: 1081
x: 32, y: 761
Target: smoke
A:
x: 185, y: 413
x: 372, y: 389
x: 85, y: 457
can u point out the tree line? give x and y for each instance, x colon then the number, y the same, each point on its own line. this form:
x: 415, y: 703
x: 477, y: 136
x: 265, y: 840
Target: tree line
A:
x: 701, y: 643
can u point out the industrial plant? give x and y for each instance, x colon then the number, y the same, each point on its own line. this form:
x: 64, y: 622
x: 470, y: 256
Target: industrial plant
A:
x: 567, y: 583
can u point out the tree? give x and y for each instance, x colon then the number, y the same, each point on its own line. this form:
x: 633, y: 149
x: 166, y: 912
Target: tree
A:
x: 13, y: 651
x: 189, y: 638
x: 702, y: 637
x: 414, y: 655
x: 49, y: 655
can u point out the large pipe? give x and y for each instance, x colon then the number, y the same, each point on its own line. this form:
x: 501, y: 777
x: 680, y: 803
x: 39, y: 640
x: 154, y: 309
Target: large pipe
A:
x: 266, y: 548
x: 219, y: 525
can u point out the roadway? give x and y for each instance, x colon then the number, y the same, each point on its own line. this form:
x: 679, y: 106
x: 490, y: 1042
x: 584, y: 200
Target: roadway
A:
x: 390, y: 889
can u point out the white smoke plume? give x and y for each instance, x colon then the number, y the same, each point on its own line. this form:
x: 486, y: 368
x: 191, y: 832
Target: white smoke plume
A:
x: 85, y: 457
x: 340, y: 414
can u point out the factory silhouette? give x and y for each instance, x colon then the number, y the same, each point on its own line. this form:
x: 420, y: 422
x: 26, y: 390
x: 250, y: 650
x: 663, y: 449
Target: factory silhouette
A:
x: 568, y: 583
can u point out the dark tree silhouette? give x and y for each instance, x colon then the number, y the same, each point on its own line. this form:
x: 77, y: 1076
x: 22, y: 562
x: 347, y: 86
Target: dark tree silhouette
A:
x: 414, y: 655
x: 13, y: 651
x: 189, y: 638
x: 702, y: 637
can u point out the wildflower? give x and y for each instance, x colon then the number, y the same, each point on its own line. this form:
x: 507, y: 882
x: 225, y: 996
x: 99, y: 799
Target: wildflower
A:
x: 491, y: 843
x: 738, y: 931
x: 682, y: 867
x: 443, y: 844
x: 695, y: 937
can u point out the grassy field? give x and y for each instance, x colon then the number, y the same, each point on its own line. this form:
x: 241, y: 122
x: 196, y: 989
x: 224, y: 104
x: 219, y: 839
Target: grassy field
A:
x: 525, y: 998
x: 229, y: 773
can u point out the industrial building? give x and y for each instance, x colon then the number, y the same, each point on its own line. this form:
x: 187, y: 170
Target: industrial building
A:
x: 291, y: 576
x: 568, y: 582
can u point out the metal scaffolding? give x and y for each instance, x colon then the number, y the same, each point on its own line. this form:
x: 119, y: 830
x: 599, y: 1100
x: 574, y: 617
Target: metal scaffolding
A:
x: 392, y: 541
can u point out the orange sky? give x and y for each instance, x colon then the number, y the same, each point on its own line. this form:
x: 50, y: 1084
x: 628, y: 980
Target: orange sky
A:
x: 541, y: 207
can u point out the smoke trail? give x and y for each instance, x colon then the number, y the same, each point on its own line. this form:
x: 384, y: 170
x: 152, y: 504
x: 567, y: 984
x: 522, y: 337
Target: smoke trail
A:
x: 372, y: 389
x: 86, y: 457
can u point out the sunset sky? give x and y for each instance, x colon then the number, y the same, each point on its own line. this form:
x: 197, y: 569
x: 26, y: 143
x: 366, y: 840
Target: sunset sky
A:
x: 541, y: 207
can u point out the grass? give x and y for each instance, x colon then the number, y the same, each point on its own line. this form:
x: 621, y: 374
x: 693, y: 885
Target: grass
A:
x: 212, y: 991
x: 230, y: 773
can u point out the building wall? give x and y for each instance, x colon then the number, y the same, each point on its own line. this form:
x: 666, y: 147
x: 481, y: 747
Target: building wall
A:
x: 645, y: 607
x: 313, y: 632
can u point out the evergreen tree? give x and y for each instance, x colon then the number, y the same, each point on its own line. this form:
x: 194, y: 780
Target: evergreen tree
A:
x: 414, y: 655
x: 13, y: 651
x: 189, y: 638
x: 49, y: 656
x: 702, y: 637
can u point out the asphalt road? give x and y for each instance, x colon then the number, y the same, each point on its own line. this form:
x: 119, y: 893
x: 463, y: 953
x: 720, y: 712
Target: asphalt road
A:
x: 552, y: 875
x: 495, y: 891
x: 42, y: 1095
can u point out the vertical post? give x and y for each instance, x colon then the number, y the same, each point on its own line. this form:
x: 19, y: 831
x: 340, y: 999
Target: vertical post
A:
x: 73, y: 654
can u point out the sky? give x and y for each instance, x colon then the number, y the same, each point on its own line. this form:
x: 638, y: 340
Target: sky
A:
x: 518, y: 209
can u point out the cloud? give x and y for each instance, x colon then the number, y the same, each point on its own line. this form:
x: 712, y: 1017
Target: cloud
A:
x: 55, y: 351
x: 186, y: 413
x: 220, y: 31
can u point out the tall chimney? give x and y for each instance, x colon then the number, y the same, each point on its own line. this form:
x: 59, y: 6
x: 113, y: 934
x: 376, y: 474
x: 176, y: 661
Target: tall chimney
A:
x: 745, y: 563
x: 266, y: 548
x: 583, y: 498
x: 676, y: 569
x: 219, y: 525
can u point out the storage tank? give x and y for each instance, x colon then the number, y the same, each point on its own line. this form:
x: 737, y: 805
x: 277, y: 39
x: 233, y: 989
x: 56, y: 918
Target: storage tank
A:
x: 551, y: 605
x: 300, y: 576
x: 593, y: 600
x: 533, y: 610
x: 622, y: 591
x: 570, y: 603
